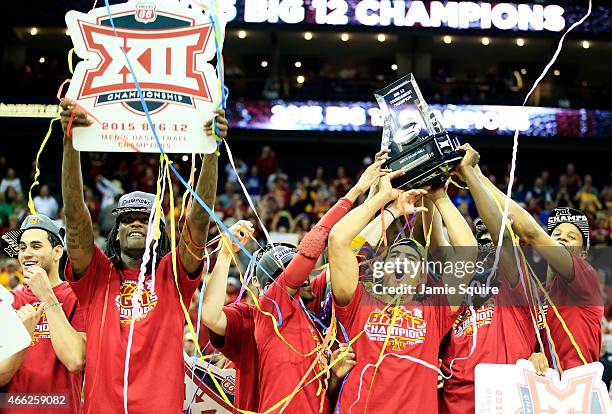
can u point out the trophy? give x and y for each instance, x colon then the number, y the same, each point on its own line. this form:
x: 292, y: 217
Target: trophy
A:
x: 415, y: 137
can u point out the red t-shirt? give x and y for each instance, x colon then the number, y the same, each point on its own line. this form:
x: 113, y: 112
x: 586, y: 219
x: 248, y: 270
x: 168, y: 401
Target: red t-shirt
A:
x: 505, y: 335
x: 275, y: 356
x: 156, y: 376
x: 239, y: 346
x: 418, y: 332
x: 584, y: 322
x: 42, y: 372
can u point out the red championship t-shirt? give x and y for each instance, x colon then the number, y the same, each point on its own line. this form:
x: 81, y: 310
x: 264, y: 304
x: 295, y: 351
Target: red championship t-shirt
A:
x: 42, y: 372
x: 505, y: 334
x: 281, y: 367
x: 156, y: 373
x: 400, y: 385
x: 583, y: 321
x: 238, y: 345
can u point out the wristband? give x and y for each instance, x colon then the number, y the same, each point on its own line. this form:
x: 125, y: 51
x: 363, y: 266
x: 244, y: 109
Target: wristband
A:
x: 392, y: 215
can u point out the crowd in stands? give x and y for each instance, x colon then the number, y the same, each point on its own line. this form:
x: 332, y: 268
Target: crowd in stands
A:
x: 288, y: 206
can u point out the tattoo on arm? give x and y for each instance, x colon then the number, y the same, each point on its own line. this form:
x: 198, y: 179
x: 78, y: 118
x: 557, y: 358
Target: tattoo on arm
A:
x: 79, y: 230
x: 198, y: 220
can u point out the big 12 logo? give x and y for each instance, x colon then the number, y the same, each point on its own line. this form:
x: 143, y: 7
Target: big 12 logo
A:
x: 167, y: 48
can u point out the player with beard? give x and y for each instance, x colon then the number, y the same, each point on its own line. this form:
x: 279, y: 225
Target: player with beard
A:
x: 106, y: 283
x: 410, y: 357
x: 51, y: 314
x: 572, y: 283
x: 505, y: 333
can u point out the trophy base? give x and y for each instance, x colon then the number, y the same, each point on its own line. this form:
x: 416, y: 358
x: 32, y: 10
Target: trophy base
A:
x: 428, y: 161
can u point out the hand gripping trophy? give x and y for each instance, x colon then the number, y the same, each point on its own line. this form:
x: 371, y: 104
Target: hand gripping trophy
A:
x: 415, y: 136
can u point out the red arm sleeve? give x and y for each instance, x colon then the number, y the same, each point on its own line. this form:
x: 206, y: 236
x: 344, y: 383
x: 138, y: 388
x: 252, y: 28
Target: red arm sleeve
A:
x: 313, y: 244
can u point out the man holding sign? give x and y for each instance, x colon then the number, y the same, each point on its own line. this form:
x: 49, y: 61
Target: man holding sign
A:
x: 106, y: 283
x: 51, y: 314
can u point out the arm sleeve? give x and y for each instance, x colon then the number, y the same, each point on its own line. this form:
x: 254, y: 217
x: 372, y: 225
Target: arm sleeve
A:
x: 313, y: 244
x: 95, y: 274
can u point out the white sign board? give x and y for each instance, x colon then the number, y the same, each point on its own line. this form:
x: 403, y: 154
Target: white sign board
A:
x: 14, y: 336
x: 201, y: 396
x: 169, y: 47
x: 517, y: 389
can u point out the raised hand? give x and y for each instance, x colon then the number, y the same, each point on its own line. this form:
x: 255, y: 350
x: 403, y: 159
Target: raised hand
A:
x: 470, y: 159
x: 383, y: 154
x: 35, y: 277
x: 371, y: 175
x: 242, y: 230
x: 385, y: 188
x: 219, y: 115
x: 80, y: 119
x: 407, y: 201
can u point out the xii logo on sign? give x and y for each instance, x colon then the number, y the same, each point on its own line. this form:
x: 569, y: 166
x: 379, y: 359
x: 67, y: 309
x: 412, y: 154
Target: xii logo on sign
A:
x: 577, y: 396
x: 165, y: 51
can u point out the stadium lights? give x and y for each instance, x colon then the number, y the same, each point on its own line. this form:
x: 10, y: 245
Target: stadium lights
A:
x: 264, y: 63
x: 523, y: 71
x: 307, y: 35
x: 520, y: 42
x: 394, y: 66
x: 42, y: 59
x: 485, y: 41
x: 381, y: 37
x: 242, y: 34
x: 34, y: 31
x: 185, y: 158
x: 298, y: 64
x: 344, y: 37
x: 557, y: 72
x: 447, y: 39
x: 300, y: 79
x: 586, y: 44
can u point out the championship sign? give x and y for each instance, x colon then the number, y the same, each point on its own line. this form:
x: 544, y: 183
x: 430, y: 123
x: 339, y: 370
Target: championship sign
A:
x: 201, y: 395
x: 167, y: 48
x: 517, y: 389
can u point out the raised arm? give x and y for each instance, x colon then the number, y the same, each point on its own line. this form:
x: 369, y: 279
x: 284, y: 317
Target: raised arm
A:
x: 313, y: 244
x: 533, y: 234
x: 372, y: 233
x: 213, y: 316
x: 344, y: 269
x: 489, y: 212
x: 194, y: 234
x: 462, y: 244
x: 79, y: 230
